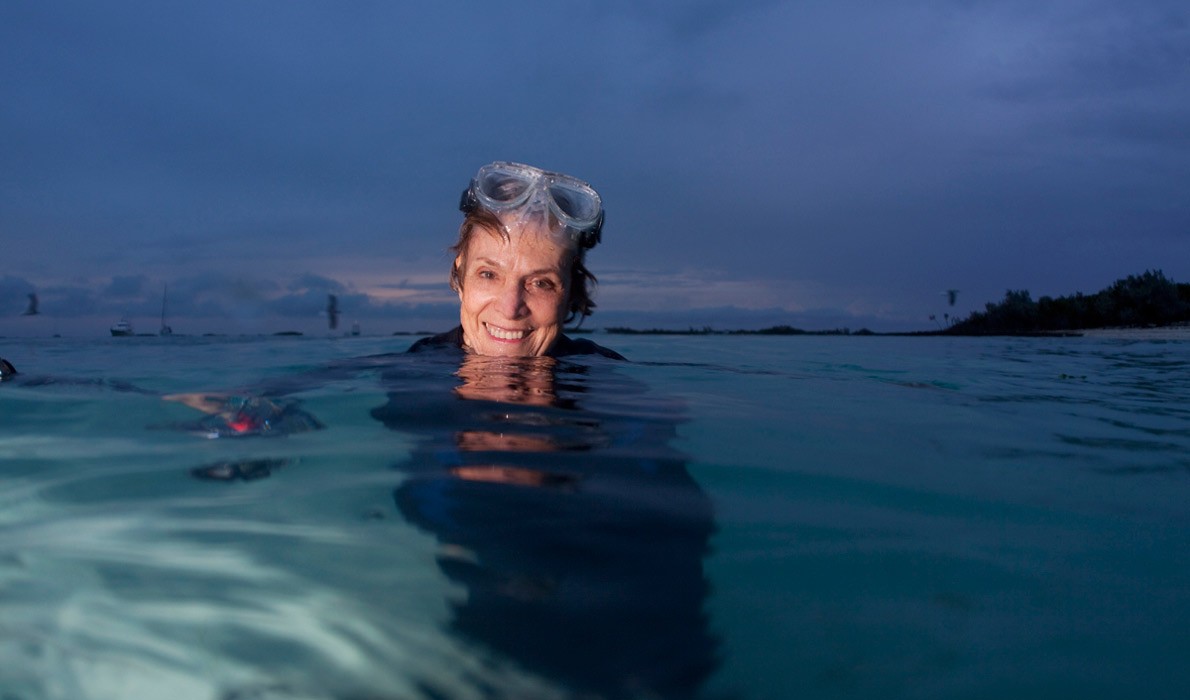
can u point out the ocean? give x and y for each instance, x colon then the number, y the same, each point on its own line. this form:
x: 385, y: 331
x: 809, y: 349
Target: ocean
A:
x: 742, y: 517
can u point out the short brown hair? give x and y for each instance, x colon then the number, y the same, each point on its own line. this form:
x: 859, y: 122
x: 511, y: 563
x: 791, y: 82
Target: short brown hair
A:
x: 581, y: 284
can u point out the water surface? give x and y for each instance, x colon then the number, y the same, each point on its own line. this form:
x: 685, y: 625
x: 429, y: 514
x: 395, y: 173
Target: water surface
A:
x: 744, y: 517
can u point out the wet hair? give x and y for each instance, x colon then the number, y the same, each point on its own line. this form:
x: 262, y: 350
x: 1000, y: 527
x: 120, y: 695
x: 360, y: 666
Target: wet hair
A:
x: 582, y: 282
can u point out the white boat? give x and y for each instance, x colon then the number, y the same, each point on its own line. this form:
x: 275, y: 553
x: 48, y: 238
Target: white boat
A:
x: 122, y: 327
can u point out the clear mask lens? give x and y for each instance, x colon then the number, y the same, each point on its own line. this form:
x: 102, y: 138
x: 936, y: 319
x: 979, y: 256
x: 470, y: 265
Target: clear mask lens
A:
x: 502, y: 187
x: 574, y: 203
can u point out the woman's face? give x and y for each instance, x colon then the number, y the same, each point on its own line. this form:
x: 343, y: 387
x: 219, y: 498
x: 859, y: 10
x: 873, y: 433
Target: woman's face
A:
x: 514, y: 292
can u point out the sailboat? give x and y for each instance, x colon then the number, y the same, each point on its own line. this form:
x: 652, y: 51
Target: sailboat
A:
x: 165, y: 329
x: 31, y: 310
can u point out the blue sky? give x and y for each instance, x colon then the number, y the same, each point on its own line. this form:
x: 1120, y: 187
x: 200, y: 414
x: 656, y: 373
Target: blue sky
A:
x: 821, y: 164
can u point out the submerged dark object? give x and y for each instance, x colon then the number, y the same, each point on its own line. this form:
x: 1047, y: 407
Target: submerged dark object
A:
x: 242, y: 470
x: 243, y: 417
x: 9, y: 372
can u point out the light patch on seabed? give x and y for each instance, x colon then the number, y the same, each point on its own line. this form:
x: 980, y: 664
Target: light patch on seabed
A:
x: 66, y: 633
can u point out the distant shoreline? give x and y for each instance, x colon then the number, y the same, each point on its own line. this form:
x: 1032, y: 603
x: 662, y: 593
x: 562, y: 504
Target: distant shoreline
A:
x: 1171, y: 332
x: 1175, y: 332
x: 1178, y: 331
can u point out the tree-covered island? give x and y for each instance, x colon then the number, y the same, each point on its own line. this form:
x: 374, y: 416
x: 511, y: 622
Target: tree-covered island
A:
x: 1149, y: 299
x: 1146, y: 300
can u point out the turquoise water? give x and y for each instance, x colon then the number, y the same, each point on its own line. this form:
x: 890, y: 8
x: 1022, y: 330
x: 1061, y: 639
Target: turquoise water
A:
x: 728, y: 517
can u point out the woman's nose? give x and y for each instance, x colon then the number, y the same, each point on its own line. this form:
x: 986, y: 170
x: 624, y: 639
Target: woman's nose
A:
x: 512, y: 300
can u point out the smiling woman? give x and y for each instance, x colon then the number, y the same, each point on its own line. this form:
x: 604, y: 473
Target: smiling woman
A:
x: 519, y: 264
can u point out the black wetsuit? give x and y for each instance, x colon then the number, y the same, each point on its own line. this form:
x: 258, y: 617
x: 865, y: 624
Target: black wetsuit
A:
x: 564, y: 511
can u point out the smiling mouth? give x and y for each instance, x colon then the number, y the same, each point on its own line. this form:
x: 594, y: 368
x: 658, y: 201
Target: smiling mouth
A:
x: 505, y: 334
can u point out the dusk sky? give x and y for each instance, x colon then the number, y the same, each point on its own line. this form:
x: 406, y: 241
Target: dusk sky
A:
x: 818, y: 164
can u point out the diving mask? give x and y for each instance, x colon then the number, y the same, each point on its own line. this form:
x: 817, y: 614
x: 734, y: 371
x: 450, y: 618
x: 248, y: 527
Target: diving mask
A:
x: 520, y: 191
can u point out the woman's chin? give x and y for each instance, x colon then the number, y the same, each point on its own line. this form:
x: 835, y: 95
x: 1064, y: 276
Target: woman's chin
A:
x: 485, y: 344
x: 488, y: 344
x: 499, y: 350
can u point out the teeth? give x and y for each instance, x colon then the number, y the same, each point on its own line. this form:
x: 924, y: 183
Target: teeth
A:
x: 504, y: 334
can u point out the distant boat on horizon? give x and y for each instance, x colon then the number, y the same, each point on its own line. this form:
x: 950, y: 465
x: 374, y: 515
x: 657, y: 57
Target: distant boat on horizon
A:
x: 122, y: 328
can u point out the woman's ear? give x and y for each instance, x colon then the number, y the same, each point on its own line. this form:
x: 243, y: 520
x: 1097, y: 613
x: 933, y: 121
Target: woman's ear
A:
x: 457, y: 277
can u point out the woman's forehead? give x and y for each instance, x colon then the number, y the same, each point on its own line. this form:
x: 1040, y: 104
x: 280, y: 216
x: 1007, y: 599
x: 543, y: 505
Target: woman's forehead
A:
x: 528, y: 247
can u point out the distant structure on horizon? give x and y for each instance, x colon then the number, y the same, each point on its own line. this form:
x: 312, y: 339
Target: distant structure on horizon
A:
x: 31, y: 309
x: 332, y: 311
x: 166, y: 329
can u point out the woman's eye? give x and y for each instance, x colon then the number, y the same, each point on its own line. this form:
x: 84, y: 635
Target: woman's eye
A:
x: 486, y: 275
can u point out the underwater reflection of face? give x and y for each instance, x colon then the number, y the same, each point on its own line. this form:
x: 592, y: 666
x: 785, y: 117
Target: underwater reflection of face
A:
x: 491, y: 441
x: 528, y: 380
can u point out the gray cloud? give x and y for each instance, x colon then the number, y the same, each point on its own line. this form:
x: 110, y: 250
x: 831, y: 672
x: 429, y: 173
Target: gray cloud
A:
x: 71, y: 301
x: 1123, y: 49
x: 14, y: 293
x: 126, y: 286
x: 686, y: 20
x: 315, y: 283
